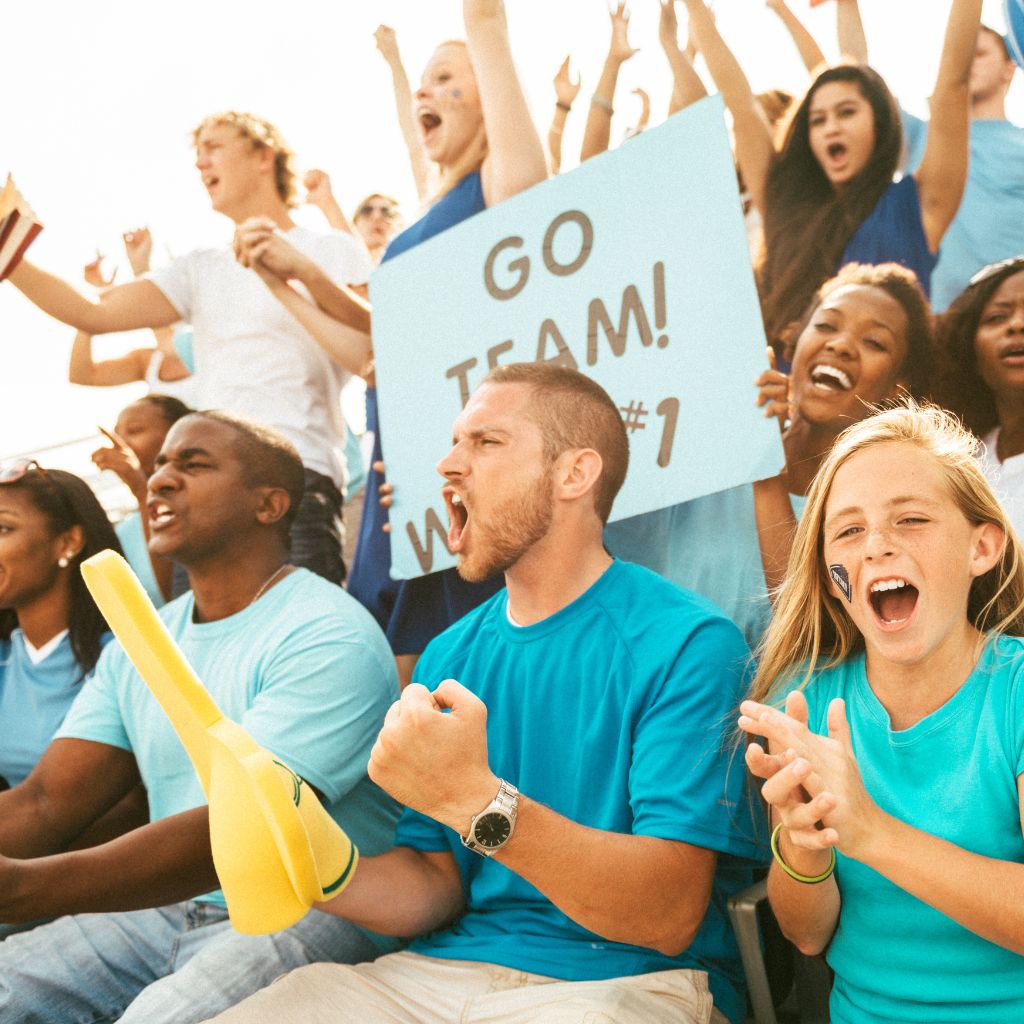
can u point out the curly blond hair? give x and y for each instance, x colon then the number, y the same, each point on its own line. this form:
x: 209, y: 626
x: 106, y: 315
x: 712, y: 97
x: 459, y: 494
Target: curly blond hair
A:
x: 262, y: 134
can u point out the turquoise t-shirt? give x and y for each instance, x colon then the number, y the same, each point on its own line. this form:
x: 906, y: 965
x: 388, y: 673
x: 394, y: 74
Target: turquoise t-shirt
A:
x: 33, y: 702
x: 305, y: 669
x: 988, y: 224
x: 953, y: 775
x: 708, y: 545
x: 615, y: 712
x: 133, y: 543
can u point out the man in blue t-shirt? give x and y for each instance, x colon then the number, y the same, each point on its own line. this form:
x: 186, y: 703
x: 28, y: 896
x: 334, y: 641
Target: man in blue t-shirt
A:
x: 576, y: 819
x: 293, y: 658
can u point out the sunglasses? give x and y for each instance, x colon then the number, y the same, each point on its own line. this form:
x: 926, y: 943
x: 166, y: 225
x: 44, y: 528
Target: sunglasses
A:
x: 387, y: 212
x: 995, y: 268
x: 18, y: 469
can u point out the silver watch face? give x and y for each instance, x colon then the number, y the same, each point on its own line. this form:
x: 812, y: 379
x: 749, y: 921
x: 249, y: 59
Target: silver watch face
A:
x: 492, y: 830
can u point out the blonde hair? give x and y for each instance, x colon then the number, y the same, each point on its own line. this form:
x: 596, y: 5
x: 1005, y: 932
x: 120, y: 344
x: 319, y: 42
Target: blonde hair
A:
x: 262, y: 134
x: 472, y: 158
x: 809, y: 630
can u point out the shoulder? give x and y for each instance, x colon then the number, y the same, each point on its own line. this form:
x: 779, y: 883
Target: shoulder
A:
x: 461, y: 637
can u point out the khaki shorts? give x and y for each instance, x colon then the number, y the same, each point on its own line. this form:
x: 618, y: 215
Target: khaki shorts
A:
x: 406, y: 988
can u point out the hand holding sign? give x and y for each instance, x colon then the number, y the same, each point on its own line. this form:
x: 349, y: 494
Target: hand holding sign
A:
x: 275, y: 848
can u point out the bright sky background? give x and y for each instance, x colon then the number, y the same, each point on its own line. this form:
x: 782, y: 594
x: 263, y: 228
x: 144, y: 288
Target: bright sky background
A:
x: 101, y: 99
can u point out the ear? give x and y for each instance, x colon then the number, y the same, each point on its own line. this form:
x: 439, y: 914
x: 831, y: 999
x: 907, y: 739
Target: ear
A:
x: 272, y: 505
x: 576, y: 473
x: 267, y: 158
x: 69, y: 543
x: 988, y: 543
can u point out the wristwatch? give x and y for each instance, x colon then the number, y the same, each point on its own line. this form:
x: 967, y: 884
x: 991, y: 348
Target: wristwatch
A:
x: 492, y: 828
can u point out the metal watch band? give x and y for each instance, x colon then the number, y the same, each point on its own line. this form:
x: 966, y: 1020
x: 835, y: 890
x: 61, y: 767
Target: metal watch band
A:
x: 506, y: 802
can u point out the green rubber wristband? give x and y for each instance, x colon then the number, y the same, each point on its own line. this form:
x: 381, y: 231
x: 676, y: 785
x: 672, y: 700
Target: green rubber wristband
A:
x: 806, y: 879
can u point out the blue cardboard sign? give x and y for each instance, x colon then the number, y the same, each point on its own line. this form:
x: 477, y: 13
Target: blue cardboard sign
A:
x: 634, y: 269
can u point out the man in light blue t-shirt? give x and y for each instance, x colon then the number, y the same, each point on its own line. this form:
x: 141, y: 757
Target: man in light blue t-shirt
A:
x: 602, y: 693
x: 293, y: 658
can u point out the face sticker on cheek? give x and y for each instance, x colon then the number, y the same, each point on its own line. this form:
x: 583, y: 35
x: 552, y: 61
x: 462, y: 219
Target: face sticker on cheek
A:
x: 841, y: 578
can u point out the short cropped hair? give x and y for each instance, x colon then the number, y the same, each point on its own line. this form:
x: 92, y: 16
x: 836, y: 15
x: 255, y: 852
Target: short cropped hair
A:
x: 573, y: 411
x: 268, y: 459
x: 262, y: 134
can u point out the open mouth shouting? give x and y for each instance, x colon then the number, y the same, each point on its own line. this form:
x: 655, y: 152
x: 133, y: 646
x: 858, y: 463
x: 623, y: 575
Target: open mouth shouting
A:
x: 458, y: 517
x: 1012, y: 355
x: 826, y: 377
x: 161, y: 516
x: 893, y: 602
x: 429, y: 121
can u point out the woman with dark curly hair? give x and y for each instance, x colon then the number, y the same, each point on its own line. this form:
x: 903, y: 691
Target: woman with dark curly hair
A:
x: 981, y: 377
x: 51, y: 632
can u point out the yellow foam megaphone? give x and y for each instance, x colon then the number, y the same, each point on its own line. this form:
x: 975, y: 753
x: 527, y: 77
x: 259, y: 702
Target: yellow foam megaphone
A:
x: 275, y: 848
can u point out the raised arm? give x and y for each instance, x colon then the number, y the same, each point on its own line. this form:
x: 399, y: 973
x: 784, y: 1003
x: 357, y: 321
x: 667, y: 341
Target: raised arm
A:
x: 810, y: 52
x: 84, y: 369
x: 387, y: 43
x: 124, y: 307
x: 754, y: 149
x: 515, y: 157
x: 942, y: 173
x: 320, y: 195
x: 597, y: 133
x: 566, y: 91
x: 853, y: 43
x: 687, y: 86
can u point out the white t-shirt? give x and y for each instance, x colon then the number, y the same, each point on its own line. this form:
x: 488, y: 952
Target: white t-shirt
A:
x: 256, y: 359
x: 1007, y: 480
x: 186, y: 389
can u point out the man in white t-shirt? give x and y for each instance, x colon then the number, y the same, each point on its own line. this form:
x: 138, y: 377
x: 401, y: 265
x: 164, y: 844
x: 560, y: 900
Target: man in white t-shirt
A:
x: 254, y: 358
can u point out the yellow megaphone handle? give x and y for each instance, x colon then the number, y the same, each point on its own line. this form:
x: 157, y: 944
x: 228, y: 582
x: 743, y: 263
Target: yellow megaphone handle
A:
x: 156, y: 657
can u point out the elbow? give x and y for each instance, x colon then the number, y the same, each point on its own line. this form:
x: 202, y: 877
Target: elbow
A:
x: 674, y: 936
x: 809, y: 945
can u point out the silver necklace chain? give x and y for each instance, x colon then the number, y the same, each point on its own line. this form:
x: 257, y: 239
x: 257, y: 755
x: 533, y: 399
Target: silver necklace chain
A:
x: 266, y: 583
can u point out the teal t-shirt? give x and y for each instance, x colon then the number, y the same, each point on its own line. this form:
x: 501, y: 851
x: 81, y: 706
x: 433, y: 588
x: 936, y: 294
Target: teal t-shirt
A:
x: 616, y: 712
x: 708, y: 545
x: 133, y: 543
x: 305, y: 670
x: 953, y: 775
x: 33, y: 702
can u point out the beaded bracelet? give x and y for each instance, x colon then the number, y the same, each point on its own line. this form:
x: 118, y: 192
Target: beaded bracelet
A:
x: 806, y: 879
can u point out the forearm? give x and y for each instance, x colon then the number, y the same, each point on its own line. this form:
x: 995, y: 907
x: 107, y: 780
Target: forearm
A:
x: 558, y: 120
x: 335, y: 215
x: 403, y: 106
x: 980, y: 893
x: 82, y: 366
x: 597, y: 133
x: 346, y: 345
x: 687, y: 86
x: 153, y: 866
x: 776, y: 528
x: 853, y: 43
x: 618, y: 886
x: 341, y: 303
x: 58, y: 299
x: 957, y: 55
x: 810, y: 52
x: 807, y: 913
x: 402, y: 892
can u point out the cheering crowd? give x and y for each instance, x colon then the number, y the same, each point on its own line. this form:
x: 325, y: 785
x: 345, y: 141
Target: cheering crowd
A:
x: 559, y: 760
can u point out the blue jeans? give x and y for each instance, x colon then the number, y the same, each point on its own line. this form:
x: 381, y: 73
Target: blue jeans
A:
x: 172, y: 965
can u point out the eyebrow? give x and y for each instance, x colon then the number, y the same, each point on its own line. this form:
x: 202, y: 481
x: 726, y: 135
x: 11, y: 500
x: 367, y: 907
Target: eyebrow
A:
x: 903, y: 499
x: 185, y: 453
x: 838, y: 312
x: 479, y: 432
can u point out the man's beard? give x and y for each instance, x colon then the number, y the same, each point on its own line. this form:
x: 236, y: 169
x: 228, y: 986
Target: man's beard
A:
x: 511, y: 531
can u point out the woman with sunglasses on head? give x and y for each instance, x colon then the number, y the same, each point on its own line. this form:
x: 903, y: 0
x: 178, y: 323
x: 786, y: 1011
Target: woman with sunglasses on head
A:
x: 981, y: 379
x: 890, y: 690
x: 827, y: 196
x: 51, y: 632
x: 476, y: 128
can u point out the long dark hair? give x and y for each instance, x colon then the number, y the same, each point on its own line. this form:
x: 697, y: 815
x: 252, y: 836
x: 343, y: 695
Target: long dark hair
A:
x: 959, y: 386
x: 807, y: 223
x: 66, y: 500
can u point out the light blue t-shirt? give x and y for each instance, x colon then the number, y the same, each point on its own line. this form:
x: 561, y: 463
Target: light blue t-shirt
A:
x: 33, y: 702
x: 133, y: 543
x: 989, y: 225
x: 615, y: 712
x: 954, y: 775
x: 708, y: 545
x: 305, y: 670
